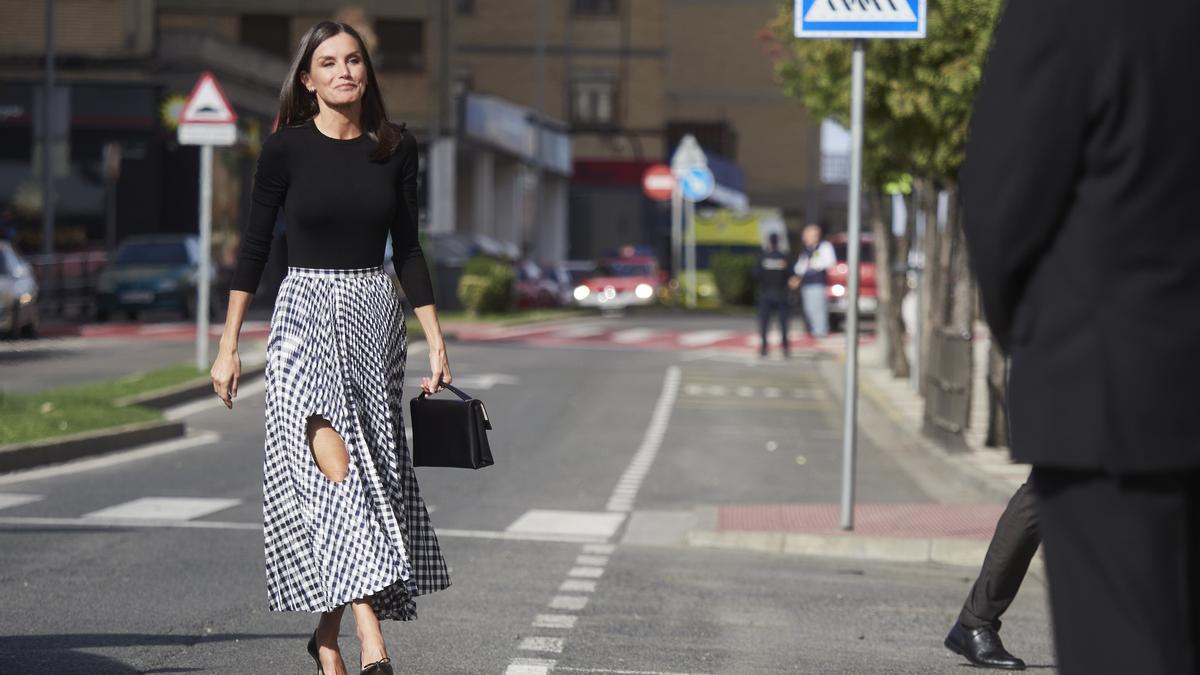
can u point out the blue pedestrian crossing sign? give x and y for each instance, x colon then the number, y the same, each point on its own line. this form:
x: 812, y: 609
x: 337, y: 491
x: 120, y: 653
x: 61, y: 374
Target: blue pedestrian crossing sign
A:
x: 860, y: 18
x: 697, y: 183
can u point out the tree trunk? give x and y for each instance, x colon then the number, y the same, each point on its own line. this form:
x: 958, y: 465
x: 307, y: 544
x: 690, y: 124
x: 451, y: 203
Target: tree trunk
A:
x: 889, y: 321
x: 997, y: 386
x: 925, y: 196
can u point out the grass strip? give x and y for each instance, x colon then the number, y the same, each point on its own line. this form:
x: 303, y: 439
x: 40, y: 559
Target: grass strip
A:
x: 88, y: 407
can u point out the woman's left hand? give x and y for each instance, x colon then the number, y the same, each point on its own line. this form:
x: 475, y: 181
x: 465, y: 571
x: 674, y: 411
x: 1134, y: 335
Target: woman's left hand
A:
x: 439, y: 365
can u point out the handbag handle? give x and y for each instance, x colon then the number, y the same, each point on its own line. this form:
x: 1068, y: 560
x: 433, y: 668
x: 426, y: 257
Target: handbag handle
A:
x: 461, y: 394
x: 487, y: 422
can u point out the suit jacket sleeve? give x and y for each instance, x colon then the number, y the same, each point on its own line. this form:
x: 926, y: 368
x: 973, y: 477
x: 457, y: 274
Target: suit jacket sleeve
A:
x: 1023, y: 153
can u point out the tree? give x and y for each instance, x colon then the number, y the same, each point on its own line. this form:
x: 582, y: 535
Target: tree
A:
x: 919, y: 97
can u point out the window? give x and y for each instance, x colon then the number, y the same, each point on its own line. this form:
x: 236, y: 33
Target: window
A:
x: 401, y: 44
x: 270, y: 33
x: 594, y: 7
x: 593, y: 101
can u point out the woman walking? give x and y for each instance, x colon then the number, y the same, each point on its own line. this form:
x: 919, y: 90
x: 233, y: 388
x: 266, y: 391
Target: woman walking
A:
x: 344, y: 522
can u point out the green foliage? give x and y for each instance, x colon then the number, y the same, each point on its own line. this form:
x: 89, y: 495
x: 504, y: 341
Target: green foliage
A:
x: 919, y: 93
x: 734, y: 277
x: 486, y: 286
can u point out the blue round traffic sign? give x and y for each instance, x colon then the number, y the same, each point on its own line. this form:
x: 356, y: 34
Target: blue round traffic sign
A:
x: 697, y: 183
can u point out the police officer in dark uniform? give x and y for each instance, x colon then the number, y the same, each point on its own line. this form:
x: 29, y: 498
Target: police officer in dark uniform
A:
x: 772, y: 274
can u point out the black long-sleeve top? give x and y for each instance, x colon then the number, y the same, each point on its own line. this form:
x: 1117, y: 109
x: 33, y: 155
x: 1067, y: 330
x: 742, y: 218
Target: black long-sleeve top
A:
x: 340, y: 206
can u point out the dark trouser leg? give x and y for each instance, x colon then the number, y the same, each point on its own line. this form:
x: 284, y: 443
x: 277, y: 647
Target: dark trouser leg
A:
x: 1013, y: 546
x: 781, y: 305
x: 764, y: 318
x: 1124, y: 565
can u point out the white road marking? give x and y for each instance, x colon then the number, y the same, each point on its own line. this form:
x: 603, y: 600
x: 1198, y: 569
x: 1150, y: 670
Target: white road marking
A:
x: 625, y: 494
x: 484, y: 380
x: 564, y: 621
x: 576, y: 332
x: 541, y: 644
x: 772, y: 392
x: 617, y: 671
x: 599, y: 549
x: 141, y: 452
x: 586, y: 572
x: 569, y: 603
x: 632, y: 335
x: 745, y: 392
x: 578, y: 586
x: 9, y: 500
x: 700, y: 338
x: 114, y: 524
x: 522, y: 666
x: 164, y: 508
x: 595, y: 525
x: 592, y: 560
x: 522, y: 536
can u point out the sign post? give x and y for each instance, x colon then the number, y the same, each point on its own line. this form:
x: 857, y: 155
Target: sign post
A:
x: 207, y: 120
x: 694, y: 183
x: 857, y: 20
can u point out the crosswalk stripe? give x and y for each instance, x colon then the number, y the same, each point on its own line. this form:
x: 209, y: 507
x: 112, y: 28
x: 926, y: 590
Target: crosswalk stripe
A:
x: 164, y: 508
x: 9, y: 500
x: 700, y: 338
x: 632, y: 335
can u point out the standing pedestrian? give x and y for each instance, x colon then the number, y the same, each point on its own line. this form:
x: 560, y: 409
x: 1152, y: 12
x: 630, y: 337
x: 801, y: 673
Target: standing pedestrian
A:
x: 772, y: 275
x: 344, y: 521
x: 8, y: 224
x: 811, y: 272
x: 1082, y: 165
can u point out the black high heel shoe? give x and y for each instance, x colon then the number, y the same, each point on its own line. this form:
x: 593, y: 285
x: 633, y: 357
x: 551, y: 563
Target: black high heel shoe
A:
x: 316, y: 655
x: 381, y: 667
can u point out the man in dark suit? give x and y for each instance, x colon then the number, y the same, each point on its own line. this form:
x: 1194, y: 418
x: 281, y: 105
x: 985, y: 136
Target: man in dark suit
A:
x: 772, y: 272
x: 1079, y: 205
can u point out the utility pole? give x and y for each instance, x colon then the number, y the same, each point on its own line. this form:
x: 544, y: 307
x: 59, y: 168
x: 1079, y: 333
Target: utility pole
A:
x: 48, y: 99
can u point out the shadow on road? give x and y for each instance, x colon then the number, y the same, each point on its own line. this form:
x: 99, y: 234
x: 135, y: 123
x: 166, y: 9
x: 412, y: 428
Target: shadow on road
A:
x: 50, y: 654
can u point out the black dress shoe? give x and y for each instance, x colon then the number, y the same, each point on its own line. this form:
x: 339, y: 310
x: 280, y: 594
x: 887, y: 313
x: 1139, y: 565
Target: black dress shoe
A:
x: 380, y: 667
x: 982, y: 647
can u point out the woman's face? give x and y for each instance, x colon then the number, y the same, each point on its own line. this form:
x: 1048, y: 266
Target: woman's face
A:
x: 337, y: 73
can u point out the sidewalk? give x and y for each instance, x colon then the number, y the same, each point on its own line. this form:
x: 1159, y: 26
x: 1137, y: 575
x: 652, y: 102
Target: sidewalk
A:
x: 967, y: 490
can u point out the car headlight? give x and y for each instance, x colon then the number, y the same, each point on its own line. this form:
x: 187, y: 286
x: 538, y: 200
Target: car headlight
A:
x: 168, y: 284
x: 644, y: 291
x: 582, y: 292
x: 837, y: 290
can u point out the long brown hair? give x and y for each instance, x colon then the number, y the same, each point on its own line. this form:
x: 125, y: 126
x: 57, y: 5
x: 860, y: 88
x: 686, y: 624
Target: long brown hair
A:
x: 298, y: 105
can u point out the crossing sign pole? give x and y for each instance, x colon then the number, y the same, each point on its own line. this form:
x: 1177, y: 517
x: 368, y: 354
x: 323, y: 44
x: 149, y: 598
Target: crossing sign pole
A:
x: 207, y: 120
x: 857, y: 20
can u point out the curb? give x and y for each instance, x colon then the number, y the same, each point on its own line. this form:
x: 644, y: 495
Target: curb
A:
x: 169, y: 397
x: 64, y: 448
x: 946, y: 551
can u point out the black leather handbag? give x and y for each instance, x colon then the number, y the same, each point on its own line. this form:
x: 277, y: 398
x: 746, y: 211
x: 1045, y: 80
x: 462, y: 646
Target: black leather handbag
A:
x: 450, y: 432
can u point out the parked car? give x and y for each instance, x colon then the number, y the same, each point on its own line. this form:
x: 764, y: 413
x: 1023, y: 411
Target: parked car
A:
x: 153, y: 272
x: 620, y: 282
x: 18, y: 294
x: 570, y: 274
x: 838, y: 280
x: 536, y: 286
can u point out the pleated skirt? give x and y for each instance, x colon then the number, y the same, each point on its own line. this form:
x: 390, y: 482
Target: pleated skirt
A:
x: 337, y: 350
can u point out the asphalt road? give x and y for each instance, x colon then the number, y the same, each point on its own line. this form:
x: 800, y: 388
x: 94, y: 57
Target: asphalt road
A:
x: 546, y: 578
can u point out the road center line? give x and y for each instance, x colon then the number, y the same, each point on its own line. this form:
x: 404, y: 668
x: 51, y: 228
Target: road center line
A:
x: 631, y: 481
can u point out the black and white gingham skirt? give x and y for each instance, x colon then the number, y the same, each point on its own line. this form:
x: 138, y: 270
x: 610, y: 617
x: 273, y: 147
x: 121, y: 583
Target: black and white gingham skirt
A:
x: 336, y: 350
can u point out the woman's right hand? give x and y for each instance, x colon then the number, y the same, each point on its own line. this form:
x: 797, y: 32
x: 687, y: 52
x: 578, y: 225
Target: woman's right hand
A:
x: 225, y: 373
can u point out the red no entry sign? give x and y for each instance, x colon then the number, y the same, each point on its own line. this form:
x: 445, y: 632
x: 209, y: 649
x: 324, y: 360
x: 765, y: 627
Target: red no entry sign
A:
x: 658, y: 182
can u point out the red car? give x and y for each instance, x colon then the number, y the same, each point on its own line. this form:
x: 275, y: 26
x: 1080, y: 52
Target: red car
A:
x: 838, y: 279
x: 620, y: 282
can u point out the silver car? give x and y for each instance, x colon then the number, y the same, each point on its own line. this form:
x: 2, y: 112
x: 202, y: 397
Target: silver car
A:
x: 18, y: 294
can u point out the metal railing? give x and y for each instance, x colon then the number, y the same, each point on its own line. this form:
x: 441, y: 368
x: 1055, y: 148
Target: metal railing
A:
x: 67, y: 281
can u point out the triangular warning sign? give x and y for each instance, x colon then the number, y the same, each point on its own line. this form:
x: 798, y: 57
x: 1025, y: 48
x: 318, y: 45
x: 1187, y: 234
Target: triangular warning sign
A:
x: 207, y: 104
x: 860, y: 10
